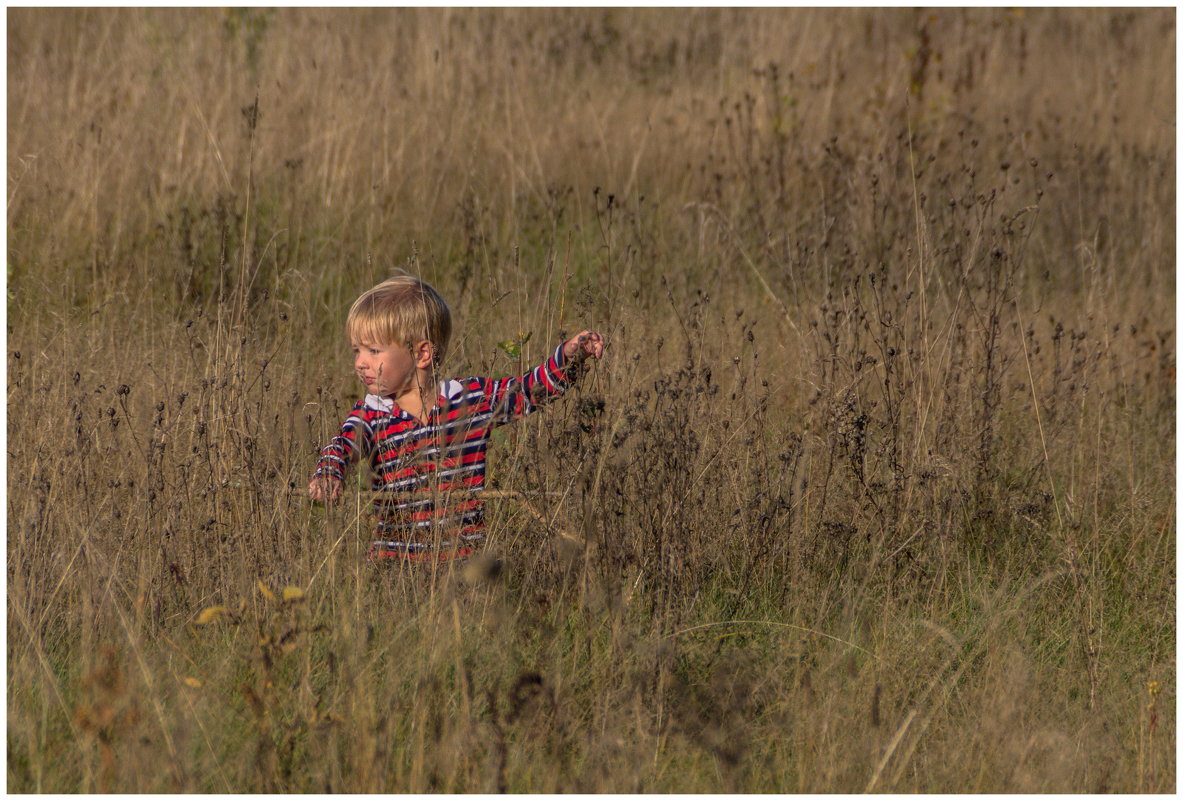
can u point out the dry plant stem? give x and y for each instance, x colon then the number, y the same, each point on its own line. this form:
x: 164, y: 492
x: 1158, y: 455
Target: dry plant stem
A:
x: 175, y: 766
x: 774, y: 623
x: 962, y: 658
x: 52, y: 681
x: 1042, y: 439
x: 1090, y: 648
x: 512, y: 495
x: 891, y: 746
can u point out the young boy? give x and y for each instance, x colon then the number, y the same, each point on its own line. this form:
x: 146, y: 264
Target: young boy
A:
x: 426, y: 441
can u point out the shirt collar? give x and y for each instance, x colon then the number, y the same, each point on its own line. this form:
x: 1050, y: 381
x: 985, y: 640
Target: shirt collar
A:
x: 379, y: 404
x: 451, y: 390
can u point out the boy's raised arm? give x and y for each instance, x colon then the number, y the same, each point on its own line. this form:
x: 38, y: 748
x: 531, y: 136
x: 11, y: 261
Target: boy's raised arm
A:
x: 518, y: 396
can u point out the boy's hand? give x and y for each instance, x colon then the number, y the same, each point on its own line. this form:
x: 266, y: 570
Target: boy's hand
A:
x: 324, y: 489
x: 584, y: 344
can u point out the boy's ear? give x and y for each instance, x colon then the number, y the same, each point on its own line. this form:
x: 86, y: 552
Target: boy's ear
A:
x: 423, y: 353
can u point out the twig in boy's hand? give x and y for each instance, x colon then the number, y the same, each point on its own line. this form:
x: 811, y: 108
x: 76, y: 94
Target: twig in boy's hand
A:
x: 324, y: 489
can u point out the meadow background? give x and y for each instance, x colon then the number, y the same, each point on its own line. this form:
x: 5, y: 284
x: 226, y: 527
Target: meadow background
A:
x: 874, y: 490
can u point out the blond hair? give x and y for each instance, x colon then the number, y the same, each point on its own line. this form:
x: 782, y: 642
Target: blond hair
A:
x: 401, y: 311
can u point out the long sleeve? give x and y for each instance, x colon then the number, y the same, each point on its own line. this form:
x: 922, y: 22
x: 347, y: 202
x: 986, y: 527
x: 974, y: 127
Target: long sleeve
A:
x: 355, y: 437
x: 517, y: 396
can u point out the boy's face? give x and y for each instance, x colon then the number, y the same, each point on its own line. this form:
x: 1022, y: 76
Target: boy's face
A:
x: 386, y: 370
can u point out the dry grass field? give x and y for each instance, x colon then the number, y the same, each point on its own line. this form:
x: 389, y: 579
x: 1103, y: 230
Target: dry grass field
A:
x: 873, y: 491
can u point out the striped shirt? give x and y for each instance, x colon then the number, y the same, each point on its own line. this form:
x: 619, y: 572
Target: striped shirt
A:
x: 434, y: 472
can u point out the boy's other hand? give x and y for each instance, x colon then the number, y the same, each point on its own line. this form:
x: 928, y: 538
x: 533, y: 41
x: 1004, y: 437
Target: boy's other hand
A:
x: 324, y: 489
x: 584, y: 344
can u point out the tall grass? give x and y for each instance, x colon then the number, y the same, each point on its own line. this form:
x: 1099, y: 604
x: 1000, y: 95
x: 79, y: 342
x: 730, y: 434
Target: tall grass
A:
x: 874, y: 490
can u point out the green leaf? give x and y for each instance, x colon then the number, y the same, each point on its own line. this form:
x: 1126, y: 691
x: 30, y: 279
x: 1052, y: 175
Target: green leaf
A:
x: 513, y: 347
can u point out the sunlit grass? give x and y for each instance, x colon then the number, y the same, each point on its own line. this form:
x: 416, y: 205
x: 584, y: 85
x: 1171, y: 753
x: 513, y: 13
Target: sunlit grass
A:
x: 873, y: 491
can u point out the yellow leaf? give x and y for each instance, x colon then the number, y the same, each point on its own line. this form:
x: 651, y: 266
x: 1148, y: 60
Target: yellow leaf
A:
x: 268, y: 594
x: 292, y: 593
x: 192, y: 682
x: 210, y: 614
